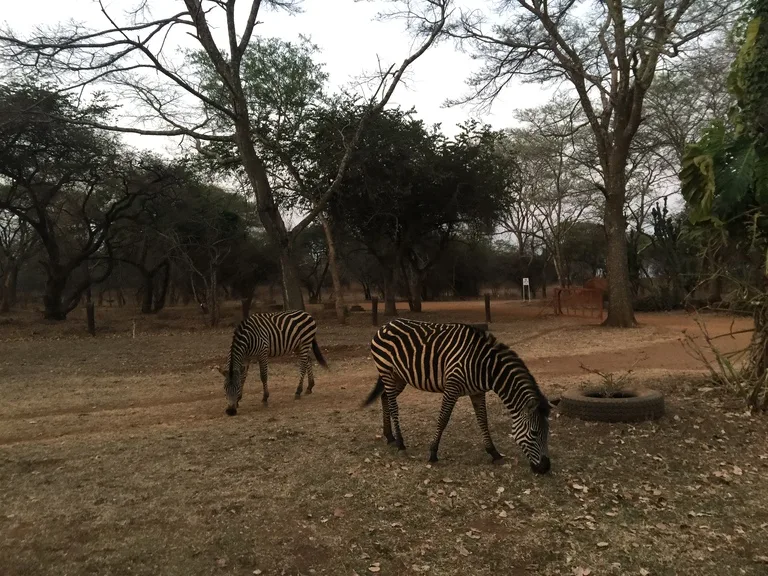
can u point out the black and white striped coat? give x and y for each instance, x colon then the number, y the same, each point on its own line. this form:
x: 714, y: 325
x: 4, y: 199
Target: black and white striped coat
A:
x: 262, y: 336
x: 459, y: 360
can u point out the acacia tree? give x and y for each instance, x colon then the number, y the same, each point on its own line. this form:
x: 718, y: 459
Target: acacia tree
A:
x: 70, y: 184
x: 18, y: 242
x: 133, y: 59
x: 555, y: 189
x: 608, y: 52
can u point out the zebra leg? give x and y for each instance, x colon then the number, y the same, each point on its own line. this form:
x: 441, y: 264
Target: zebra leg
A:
x: 391, y: 394
x: 387, y: 420
x: 263, y: 373
x: 449, y: 401
x: 302, y: 370
x: 478, y: 403
x: 310, y: 376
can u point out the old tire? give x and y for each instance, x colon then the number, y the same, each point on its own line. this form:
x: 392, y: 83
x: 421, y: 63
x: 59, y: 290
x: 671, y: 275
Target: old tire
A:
x: 639, y: 405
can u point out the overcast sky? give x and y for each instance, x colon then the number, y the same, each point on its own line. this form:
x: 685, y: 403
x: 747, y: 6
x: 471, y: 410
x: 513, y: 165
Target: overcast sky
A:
x: 350, y: 39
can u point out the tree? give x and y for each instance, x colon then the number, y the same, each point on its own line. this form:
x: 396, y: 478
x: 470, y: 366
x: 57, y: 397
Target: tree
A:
x: 69, y: 183
x: 207, y: 228
x: 584, y: 251
x: 609, y: 53
x: 119, y: 55
x: 725, y: 183
x: 555, y: 190
x: 18, y: 243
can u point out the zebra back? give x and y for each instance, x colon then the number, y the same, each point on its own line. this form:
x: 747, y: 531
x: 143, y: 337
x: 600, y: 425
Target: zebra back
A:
x: 422, y: 350
x: 273, y: 333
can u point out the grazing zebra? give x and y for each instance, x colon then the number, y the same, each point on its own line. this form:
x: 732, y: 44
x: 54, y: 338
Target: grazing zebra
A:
x: 459, y: 360
x: 261, y: 336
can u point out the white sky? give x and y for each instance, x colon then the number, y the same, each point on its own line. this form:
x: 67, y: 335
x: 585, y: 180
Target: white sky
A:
x: 350, y: 39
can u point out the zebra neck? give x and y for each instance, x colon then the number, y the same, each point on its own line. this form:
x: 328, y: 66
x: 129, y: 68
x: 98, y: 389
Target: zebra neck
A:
x: 509, y: 380
x: 235, y: 364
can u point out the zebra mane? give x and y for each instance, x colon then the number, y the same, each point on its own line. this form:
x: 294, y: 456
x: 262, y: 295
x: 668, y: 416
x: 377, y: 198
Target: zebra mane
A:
x: 506, y: 352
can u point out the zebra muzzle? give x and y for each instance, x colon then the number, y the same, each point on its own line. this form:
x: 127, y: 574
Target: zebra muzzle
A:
x: 542, y: 466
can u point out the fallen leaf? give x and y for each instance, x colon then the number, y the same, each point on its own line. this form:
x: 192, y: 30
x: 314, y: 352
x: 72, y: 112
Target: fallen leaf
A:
x: 257, y: 572
x: 348, y: 495
x: 374, y: 568
x: 579, y: 571
x: 602, y: 544
x: 463, y: 551
x: 737, y: 471
x: 221, y: 562
x: 338, y: 513
x: 500, y: 490
x: 644, y: 572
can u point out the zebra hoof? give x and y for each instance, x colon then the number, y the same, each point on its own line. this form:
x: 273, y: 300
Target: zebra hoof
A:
x: 309, y: 391
x: 498, y: 459
x: 297, y: 396
x: 390, y: 439
x: 432, y: 457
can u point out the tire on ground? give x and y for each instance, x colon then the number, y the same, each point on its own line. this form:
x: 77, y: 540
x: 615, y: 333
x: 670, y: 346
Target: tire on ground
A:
x: 643, y: 405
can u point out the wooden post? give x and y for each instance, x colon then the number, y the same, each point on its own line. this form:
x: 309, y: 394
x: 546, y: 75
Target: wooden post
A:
x: 90, y: 314
x: 488, y: 308
x: 375, y: 311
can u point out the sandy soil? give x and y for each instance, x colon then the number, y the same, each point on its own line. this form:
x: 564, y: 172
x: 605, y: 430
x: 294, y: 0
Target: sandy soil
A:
x: 116, y: 458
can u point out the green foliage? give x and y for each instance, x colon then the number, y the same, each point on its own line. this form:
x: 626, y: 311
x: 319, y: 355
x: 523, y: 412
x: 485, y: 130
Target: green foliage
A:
x: 283, y: 86
x: 724, y: 175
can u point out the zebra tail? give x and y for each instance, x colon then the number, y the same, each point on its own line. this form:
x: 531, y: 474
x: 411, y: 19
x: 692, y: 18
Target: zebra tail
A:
x: 318, y: 354
x: 377, y: 391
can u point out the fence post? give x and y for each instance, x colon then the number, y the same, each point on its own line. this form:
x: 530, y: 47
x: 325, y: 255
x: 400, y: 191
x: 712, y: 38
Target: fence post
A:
x: 375, y: 310
x: 488, y: 308
x: 91, y: 316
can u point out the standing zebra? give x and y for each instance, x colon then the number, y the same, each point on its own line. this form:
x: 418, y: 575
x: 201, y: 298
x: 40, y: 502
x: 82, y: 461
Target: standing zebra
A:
x: 262, y: 336
x: 459, y: 360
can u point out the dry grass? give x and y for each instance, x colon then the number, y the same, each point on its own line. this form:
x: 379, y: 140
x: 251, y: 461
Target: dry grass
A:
x: 116, y: 458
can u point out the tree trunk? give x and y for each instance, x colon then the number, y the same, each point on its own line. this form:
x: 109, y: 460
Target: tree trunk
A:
x: 213, y: 300
x: 53, y: 299
x: 620, y: 312
x: 338, y: 291
x: 268, y: 212
x: 390, y: 286
x: 414, y: 290
x: 149, y: 292
x: 160, y: 297
x: 557, y: 260
x: 366, y: 291
x: 11, y: 284
x: 293, y: 297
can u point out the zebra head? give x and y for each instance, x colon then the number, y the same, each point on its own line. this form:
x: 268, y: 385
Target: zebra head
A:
x: 531, y: 431
x: 234, y: 378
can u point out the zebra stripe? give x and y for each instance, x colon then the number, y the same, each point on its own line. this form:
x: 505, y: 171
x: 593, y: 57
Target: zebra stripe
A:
x: 459, y: 360
x: 262, y: 336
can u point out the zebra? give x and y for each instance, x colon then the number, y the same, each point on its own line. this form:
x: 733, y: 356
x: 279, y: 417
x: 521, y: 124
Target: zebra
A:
x: 261, y: 336
x: 458, y: 360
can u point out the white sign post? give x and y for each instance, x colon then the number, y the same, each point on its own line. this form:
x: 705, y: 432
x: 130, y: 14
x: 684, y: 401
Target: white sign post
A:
x: 527, y: 285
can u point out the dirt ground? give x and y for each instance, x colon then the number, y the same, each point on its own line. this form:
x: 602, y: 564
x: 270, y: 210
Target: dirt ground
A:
x: 116, y: 458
